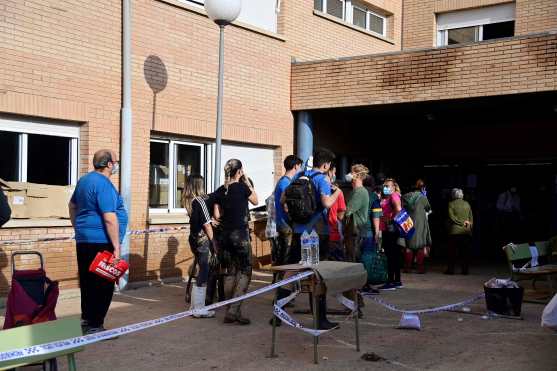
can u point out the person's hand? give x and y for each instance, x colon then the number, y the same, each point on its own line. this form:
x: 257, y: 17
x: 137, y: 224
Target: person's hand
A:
x: 116, y: 253
x: 467, y: 224
x: 215, y: 222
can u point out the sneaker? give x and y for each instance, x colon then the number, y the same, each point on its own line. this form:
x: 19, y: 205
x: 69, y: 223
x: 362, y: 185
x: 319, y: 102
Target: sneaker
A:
x: 387, y: 287
x: 94, y: 330
x: 368, y: 290
x: 398, y: 285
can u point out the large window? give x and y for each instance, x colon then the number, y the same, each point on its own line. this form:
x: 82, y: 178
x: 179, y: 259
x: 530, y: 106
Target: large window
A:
x: 38, y: 152
x: 355, y: 12
x: 474, y: 25
x: 171, y: 161
x: 258, y: 13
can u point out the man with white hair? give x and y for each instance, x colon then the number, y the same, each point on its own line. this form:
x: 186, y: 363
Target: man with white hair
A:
x: 459, y: 241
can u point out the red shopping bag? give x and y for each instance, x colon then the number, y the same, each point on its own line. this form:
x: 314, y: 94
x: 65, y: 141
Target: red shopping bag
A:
x: 104, y: 265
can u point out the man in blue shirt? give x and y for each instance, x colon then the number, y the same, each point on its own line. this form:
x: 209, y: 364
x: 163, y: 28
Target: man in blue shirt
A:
x: 326, y: 196
x: 292, y: 165
x: 100, y: 219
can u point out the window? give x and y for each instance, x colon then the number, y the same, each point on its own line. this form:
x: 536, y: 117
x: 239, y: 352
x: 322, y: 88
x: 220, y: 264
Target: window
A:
x: 473, y: 25
x: 24, y: 144
x: 359, y: 17
x: 335, y: 8
x: 353, y: 12
x: 170, y: 162
x: 258, y: 13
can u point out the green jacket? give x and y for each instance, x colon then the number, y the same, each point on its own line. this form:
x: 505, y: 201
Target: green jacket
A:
x: 459, y: 212
x: 358, y: 209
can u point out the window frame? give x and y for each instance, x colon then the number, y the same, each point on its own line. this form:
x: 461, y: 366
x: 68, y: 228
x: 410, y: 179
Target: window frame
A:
x: 172, y: 166
x: 348, y: 15
x: 25, y: 126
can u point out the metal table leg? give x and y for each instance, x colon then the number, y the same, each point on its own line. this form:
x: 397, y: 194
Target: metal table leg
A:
x: 315, y: 323
x: 273, y: 343
x: 356, y: 319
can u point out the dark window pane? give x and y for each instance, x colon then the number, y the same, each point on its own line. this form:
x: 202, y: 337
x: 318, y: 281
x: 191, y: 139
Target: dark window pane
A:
x: 318, y: 5
x: 498, y: 30
x: 188, y: 161
x: 334, y: 8
x: 463, y: 35
x: 9, y: 160
x: 48, y: 159
x: 158, y: 175
x: 376, y: 23
x: 359, y: 17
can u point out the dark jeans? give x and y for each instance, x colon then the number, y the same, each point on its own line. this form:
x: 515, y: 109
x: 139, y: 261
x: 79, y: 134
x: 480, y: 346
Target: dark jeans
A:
x: 394, y: 256
x: 295, y: 253
x: 96, y: 292
x: 200, y: 245
x: 459, y: 245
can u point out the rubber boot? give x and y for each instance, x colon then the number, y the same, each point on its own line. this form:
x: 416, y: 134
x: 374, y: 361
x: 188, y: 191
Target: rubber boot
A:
x: 323, y: 322
x: 198, y: 302
x: 408, y: 260
x: 420, y: 257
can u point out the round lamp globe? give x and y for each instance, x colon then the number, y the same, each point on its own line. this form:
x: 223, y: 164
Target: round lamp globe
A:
x: 223, y: 11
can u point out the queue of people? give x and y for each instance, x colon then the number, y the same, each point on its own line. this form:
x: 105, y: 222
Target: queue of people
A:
x: 220, y: 238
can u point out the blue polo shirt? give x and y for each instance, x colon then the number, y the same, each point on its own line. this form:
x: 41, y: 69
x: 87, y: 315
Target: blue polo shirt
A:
x: 282, y: 184
x: 95, y: 195
x: 322, y: 187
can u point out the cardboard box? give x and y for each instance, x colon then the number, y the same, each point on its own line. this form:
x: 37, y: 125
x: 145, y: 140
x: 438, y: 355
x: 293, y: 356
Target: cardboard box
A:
x: 31, y: 200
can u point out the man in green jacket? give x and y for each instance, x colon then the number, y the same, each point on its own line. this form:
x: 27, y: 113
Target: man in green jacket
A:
x: 461, y: 221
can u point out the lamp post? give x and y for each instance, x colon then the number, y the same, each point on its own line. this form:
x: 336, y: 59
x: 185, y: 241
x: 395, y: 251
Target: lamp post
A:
x: 222, y: 12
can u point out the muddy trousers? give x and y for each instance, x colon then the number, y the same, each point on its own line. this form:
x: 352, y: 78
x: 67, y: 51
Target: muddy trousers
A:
x: 237, y: 267
x: 200, y: 247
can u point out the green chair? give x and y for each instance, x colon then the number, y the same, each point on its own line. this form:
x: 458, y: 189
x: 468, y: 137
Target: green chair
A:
x: 41, y: 333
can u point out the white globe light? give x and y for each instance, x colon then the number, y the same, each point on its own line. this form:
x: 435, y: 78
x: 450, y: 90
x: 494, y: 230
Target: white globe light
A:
x: 223, y: 11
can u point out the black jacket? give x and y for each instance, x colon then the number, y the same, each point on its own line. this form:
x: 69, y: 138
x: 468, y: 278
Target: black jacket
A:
x: 5, y: 211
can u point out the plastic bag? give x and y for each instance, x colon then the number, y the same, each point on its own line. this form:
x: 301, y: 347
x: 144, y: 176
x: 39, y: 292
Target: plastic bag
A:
x: 410, y: 321
x: 549, y: 315
x: 104, y: 265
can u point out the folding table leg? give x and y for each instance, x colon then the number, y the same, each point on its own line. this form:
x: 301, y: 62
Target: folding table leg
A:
x: 273, y: 343
x: 315, y: 326
x: 356, y: 319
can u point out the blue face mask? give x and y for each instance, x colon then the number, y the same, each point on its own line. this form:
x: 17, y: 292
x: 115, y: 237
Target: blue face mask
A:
x: 387, y: 191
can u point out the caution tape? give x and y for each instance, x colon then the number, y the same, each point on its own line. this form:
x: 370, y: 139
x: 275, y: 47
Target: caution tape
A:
x: 443, y: 308
x: 79, y: 341
x: 281, y: 314
x: 67, y: 238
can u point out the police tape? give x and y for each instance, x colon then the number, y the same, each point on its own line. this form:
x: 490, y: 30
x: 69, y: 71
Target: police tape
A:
x: 443, y: 308
x: 281, y: 314
x: 79, y: 341
x: 67, y: 238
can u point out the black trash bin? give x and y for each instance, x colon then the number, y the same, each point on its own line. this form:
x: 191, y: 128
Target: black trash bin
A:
x: 505, y: 301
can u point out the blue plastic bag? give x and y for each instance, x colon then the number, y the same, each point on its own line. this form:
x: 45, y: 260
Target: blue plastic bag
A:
x: 405, y: 224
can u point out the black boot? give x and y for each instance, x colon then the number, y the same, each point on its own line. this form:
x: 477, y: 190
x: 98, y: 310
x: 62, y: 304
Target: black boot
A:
x: 323, y: 322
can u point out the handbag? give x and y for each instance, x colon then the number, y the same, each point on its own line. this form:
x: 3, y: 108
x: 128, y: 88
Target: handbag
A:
x: 375, y: 263
x: 405, y: 224
x: 104, y: 265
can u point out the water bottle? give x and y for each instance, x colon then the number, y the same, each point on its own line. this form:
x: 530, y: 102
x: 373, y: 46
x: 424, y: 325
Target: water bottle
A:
x: 306, y: 247
x: 314, y: 251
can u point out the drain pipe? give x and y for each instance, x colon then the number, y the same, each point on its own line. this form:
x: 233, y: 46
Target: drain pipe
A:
x: 126, y: 129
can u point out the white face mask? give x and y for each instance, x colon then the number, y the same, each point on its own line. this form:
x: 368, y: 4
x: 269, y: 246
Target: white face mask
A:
x: 115, y: 168
x: 349, y: 177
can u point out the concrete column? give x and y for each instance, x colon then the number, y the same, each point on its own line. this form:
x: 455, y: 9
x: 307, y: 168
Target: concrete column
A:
x: 343, y: 166
x: 304, y: 131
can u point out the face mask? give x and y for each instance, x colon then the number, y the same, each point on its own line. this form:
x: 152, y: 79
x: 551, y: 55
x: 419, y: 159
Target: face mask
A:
x: 424, y: 191
x: 387, y: 191
x: 349, y: 177
x: 115, y: 168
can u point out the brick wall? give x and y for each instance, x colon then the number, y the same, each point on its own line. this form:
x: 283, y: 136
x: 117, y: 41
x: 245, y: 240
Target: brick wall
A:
x: 523, y: 64
x: 311, y: 37
x: 62, y: 61
x: 532, y: 16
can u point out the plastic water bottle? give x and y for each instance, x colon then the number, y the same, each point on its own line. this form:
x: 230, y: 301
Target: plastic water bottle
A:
x: 314, y: 251
x: 306, y: 247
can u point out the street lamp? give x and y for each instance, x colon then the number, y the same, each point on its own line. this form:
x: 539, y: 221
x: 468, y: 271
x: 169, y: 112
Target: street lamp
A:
x: 222, y: 12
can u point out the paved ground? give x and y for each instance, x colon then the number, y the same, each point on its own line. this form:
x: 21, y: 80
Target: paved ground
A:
x: 448, y: 341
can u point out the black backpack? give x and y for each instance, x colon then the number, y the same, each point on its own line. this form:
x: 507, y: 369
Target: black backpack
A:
x: 300, y: 198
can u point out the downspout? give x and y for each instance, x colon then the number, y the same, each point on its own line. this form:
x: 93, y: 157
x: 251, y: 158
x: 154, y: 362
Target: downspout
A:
x: 402, y: 25
x: 126, y: 128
